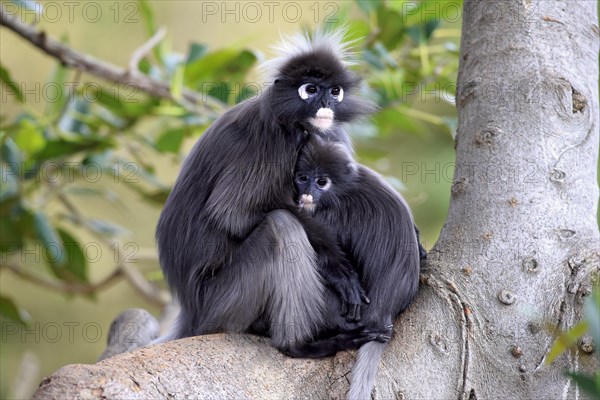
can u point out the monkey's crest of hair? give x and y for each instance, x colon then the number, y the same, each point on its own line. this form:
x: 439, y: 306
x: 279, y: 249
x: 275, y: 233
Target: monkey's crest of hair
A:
x: 301, y: 44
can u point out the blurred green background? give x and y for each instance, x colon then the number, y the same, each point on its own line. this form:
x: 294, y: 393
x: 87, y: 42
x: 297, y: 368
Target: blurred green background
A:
x: 86, y: 164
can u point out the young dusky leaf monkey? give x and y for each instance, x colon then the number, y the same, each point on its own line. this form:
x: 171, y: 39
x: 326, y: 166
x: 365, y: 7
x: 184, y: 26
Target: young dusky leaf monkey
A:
x: 235, y: 250
x: 375, y: 228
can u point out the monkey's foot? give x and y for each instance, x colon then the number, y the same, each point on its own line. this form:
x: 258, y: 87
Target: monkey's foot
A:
x: 133, y: 328
x: 342, y: 341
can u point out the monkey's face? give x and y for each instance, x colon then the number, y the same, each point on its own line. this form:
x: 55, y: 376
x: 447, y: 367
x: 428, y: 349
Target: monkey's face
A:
x: 315, y: 90
x: 311, y: 101
x: 321, y: 101
x: 310, y: 188
x: 324, y: 173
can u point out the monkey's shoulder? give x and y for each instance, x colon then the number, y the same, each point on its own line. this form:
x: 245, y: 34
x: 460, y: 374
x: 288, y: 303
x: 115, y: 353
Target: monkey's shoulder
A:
x: 233, y: 138
x: 234, y: 124
x: 370, y: 187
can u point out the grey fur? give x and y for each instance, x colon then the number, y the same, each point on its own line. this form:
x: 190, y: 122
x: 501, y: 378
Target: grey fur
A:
x: 298, y: 314
x: 365, y: 370
x: 386, y: 256
x: 227, y: 225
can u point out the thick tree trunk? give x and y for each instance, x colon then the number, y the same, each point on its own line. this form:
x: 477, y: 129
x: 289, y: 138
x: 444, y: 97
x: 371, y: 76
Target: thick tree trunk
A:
x: 521, y: 235
x: 514, y: 256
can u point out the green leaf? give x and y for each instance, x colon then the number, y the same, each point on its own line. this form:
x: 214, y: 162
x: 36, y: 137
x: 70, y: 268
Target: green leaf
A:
x: 157, y: 197
x: 171, y: 140
x: 11, y: 154
x: 9, y: 310
x: 10, y: 84
x: 196, y: 52
x: 371, y: 58
x: 105, y: 227
x: 150, y: 22
x: 415, y: 32
x: 10, y: 170
x: 145, y: 66
x: 177, y: 82
x: 220, y: 90
x: 55, y: 93
x: 430, y: 27
x: 53, y: 247
x: 391, y: 26
x: 61, y: 147
x: 77, y: 118
x: 76, y: 263
x: 421, y: 33
x: 29, y: 138
x: 589, y: 384
x: 11, y: 228
x: 369, y: 5
x: 124, y: 102
x: 358, y: 30
x: 418, y: 13
x: 385, y: 56
x: 225, y: 65
x: 391, y: 120
x: 148, y: 17
x: 16, y: 225
x: 566, y: 340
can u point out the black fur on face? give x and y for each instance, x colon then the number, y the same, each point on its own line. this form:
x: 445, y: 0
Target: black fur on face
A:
x: 325, y: 171
x: 321, y: 72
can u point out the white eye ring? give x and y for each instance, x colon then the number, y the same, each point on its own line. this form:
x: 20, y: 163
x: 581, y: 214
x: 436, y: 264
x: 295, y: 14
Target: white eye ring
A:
x: 303, y: 93
x: 340, y: 96
x: 326, y: 186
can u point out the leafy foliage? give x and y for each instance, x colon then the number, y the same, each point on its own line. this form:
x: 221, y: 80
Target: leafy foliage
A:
x: 101, y: 133
x: 569, y: 339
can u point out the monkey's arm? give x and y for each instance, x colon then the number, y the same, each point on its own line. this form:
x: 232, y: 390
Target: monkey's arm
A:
x: 238, y: 198
x: 334, y: 266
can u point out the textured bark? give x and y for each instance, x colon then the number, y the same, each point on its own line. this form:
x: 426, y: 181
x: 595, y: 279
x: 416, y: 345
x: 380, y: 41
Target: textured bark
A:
x: 515, y: 255
x: 208, y: 367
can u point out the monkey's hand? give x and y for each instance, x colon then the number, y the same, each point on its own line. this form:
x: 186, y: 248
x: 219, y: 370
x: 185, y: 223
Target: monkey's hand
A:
x: 346, y: 283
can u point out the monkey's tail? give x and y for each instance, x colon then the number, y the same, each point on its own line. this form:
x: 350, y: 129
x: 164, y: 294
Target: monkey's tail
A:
x: 364, y: 370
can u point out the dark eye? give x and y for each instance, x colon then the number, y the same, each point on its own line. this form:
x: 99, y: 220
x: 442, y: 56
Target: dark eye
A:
x: 338, y: 93
x: 302, y: 179
x: 307, y: 90
x: 322, y: 182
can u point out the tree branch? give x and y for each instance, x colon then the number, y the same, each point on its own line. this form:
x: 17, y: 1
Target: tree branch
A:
x: 136, y: 279
x: 102, y: 69
x: 71, y: 288
x: 144, y: 49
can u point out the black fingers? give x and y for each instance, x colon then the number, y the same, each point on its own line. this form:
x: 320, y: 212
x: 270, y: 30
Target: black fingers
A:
x: 363, y: 296
x: 352, y: 295
x: 353, y: 313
